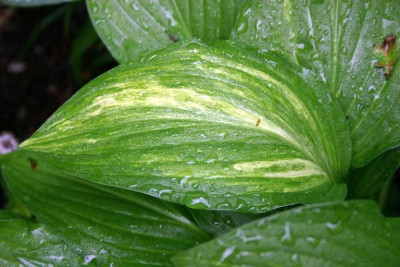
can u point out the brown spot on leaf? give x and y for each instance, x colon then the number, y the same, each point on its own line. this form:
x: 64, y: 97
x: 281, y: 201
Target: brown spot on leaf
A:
x: 389, y: 42
x: 387, y: 54
x: 173, y: 38
x: 33, y: 163
x: 258, y: 122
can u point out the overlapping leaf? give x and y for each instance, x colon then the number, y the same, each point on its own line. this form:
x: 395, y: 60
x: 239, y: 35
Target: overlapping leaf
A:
x: 25, y: 243
x: 335, y: 38
x: 369, y: 179
x: 131, y: 27
x: 217, y: 128
x: 108, y: 226
x: 220, y: 222
x: 331, y: 234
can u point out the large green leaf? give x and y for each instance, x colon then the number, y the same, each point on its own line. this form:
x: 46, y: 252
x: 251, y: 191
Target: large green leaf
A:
x: 329, y: 234
x: 369, y: 179
x: 131, y: 27
x: 217, y: 128
x: 33, y: 3
x: 26, y: 243
x: 107, y: 225
x: 335, y: 38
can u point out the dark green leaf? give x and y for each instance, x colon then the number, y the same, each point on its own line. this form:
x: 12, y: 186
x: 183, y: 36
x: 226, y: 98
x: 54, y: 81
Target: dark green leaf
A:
x: 331, y: 234
x: 26, y: 243
x: 129, y: 28
x: 33, y: 3
x: 370, y: 178
x: 84, y: 39
x: 108, y: 226
x: 211, y: 128
x: 336, y: 38
x: 220, y: 222
x: 11, y: 202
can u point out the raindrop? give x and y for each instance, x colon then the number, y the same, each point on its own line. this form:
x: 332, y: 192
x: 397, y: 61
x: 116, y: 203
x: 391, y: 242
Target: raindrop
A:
x: 287, y: 238
x: 135, y: 7
x: 197, y: 200
x: 227, y: 253
x: 296, y: 260
x: 334, y: 228
x: 241, y: 205
x: 242, y: 26
x: 312, y: 241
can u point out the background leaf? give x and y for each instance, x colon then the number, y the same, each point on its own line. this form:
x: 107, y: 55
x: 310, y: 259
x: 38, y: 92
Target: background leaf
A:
x: 369, y: 179
x: 211, y: 128
x: 106, y: 225
x: 26, y: 243
x: 84, y: 39
x: 335, y: 38
x: 129, y: 28
x: 328, y: 234
x: 220, y: 222
x: 33, y: 3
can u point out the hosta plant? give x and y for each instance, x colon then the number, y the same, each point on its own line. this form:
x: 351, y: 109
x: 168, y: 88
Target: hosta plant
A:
x: 233, y: 133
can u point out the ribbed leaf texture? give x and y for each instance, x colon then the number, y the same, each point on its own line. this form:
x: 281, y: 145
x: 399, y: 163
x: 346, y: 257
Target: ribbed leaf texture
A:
x: 211, y: 128
x: 129, y: 28
x: 335, y: 38
x: 329, y: 234
x: 26, y: 243
x: 106, y: 225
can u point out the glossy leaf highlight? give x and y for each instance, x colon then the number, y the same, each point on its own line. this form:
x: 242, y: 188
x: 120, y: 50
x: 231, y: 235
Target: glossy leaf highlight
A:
x: 26, y: 243
x: 107, y: 225
x: 212, y: 128
x: 328, y: 234
x: 133, y: 27
x: 336, y: 39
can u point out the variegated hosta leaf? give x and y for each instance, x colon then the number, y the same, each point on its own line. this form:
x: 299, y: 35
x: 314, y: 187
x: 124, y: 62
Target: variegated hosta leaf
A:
x: 26, y: 243
x: 330, y: 234
x: 131, y: 27
x: 209, y: 128
x: 369, y: 179
x: 335, y: 38
x: 107, y: 226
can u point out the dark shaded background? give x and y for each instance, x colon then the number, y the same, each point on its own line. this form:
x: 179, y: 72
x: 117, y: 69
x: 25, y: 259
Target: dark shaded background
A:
x: 46, y: 54
x: 36, y: 79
